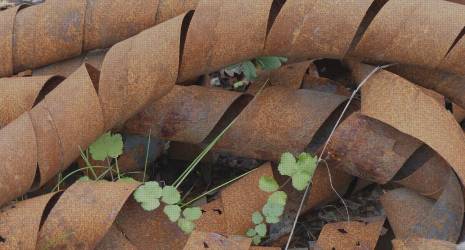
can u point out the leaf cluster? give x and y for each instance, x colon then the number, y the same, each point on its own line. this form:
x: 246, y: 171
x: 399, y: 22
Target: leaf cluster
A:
x: 151, y: 193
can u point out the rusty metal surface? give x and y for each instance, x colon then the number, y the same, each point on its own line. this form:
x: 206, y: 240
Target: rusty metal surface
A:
x: 399, y: 32
x: 450, y: 85
x: 55, y: 30
x: 422, y: 243
x: 213, y: 218
x: 430, y: 174
x: 6, y: 41
x: 278, y: 120
x: 83, y: 214
x: 213, y: 42
x: 369, y: 149
x: 208, y: 240
x: 351, y: 235
x: 238, y: 216
x: 404, y: 208
x: 140, y: 226
x: 19, y: 157
x: 19, y: 223
x: 412, y: 215
x: 309, y: 29
x: 128, y: 75
x: 131, y: 78
x: 410, y: 112
x: 67, y: 67
x: 18, y: 95
x: 186, y: 114
x: 115, y: 240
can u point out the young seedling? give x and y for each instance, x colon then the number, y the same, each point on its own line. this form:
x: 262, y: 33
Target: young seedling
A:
x: 300, y: 171
x: 107, y: 146
x: 249, y: 68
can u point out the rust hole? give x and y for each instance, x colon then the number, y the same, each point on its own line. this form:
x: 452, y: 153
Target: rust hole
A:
x: 205, y: 245
x: 342, y: 230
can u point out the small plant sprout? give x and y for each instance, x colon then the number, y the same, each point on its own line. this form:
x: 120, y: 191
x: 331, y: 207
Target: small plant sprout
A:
x: 107, y: 146
x: 300, y: 171
x: 149, y: 196
x: 270, y: 62
x: 249, y: 68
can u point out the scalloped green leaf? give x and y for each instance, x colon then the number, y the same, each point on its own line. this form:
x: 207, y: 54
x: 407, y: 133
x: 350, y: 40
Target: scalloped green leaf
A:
x: 173, y: 212
x: 192, y: 213
x: 261, y: 229
x: 256, y: 239
x: 300, y: 180
x: 107, y: 145
x: 148, y: 194
x: 257, y: 218
x: 186, y: 226
x: 150, y: 205
x: 268, y: 184
x: 278, y: 197
x: 272, y: 209
x: 272, y: 219
x: 170, y: 195
x: 84, y: 178
x: 249, y: 70
x: 287, y: 164
x: 306, y: 163
x: 270, y: 62
x: 251, y: 232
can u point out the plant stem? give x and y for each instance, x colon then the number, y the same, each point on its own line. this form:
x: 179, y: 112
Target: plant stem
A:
x: 73, y: 172
x: 110, y: 167
x: 147, y: 155
x: 86, y: 160
x: 217, y: 187
x: 285, y: 183
x: 117, y: 168
x: 204, y: 152
x: 374, y: 71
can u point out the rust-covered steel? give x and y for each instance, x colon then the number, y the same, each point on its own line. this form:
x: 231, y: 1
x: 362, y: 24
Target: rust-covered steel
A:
x: 145, y: 68
x: 55, y: 30
x: 351, y: 235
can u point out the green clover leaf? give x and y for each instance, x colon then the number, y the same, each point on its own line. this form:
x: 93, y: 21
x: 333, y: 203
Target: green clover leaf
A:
x: 84, y: 178
x: 306, y: 163
x: 257, y: 218
x: 256, y: 239
x: 107, y: 145
x: 261, y: 229
x: 173, y: 212
x: 272, y: 219
x: 278, y: 197
x: 148, y: 195
x: 186, y: 226
x: 170, y: 195
x: 268, y: 184
x: 287, y: 165
x: 192, y: 213
x: 272, y: 209
x: 300, y: 180
x: 270, y: 62
x: 150, y: 205
x: 249, y: 70
x: 251, y: 232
